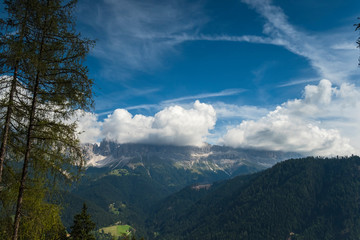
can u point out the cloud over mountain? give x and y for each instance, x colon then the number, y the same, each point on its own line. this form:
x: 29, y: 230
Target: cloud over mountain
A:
x: 173, y: 125
x: 88, y: 126
x: 318, y: 124
x: 323, y: 122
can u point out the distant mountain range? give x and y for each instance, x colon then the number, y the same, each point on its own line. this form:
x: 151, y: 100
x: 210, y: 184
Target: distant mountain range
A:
x: 131, y: 178
x: 214, y: 192
x: 210, y: 158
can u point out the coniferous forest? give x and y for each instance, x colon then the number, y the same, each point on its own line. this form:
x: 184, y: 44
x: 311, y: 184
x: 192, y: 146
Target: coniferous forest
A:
x: 310, y: 198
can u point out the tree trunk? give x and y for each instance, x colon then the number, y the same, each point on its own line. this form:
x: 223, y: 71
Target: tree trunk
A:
x: 26, y: 160
x: 28, y: 144
x: 10, y: 108
x: 9, y: 111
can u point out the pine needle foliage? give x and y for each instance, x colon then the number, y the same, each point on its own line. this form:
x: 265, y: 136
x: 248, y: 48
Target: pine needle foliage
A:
x: 83, y: 225
x: 44, y: 83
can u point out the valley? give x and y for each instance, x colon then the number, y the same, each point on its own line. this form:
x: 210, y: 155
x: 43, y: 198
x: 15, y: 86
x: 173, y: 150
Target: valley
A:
x: 149, y: 193
x: 127, y: 182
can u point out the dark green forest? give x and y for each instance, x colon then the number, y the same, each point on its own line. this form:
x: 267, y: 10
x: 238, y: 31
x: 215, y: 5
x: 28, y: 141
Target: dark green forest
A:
x: 309, y: 198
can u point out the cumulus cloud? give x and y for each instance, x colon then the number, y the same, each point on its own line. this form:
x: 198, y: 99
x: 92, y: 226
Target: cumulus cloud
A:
x: 323, y: 122
x: 122, y: 127
x: 173, y: 125
x: 88, y: 127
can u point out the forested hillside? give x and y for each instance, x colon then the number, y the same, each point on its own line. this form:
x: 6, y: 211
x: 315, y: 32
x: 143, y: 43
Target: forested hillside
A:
x: 309, y: 198
x: 131, y: 179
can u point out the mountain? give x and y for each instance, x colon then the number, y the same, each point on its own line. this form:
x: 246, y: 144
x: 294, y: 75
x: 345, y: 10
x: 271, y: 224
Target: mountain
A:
x: 128, y: 180
x: 210, y: 158
x: 309, y: 198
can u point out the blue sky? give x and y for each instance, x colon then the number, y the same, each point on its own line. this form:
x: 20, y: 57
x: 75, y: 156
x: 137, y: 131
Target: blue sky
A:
x: 278, y: 75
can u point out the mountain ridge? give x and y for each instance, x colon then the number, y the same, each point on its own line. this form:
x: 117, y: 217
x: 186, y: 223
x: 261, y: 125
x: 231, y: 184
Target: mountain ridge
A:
x: 208, y: 158
x: 123, y: 174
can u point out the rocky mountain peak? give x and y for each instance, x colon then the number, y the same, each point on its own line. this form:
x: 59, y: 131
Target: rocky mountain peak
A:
x: 208, y: 158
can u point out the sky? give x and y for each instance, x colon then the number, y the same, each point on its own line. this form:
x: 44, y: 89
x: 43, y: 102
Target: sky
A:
x: 276, y: 75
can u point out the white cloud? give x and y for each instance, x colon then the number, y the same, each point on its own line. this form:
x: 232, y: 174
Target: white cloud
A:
x: 88, y: 127
x: 173, y: 125
x: 344, y: 46
x: 298, y: 81
x: 225, y: 38
x: 226, y: 92
x: 224, y: 111
x: 177, y: 101
x: 122, y: 127
x: 323, y: 122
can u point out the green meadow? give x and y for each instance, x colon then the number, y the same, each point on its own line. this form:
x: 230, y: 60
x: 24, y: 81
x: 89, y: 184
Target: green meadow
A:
x: 117, y: 230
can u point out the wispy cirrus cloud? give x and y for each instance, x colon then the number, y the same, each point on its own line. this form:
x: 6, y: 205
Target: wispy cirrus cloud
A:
x: 330, y: 54
x: 233, y: 111
x: 298, y: 81
x: 223, y: 93
x: 129, y: 32
x: 110, y: 100
x: 136, y: 35
x: 224, y: 38
x: 186, y: 99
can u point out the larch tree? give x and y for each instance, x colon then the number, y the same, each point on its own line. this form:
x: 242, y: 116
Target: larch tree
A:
x: 45, y: 56
x: 11, y: 54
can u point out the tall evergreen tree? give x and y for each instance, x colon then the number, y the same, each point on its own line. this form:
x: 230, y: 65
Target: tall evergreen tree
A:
x: 81, y: 230
x: 40, y: 219
x: 11, y: 54
x: 45, y: 56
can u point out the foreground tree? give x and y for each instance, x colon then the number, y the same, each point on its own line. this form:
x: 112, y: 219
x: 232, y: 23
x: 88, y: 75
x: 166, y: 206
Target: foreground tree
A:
x: 40, y: 219
x: 49, y: 84
x: 11, y: 55
x: 81, y: 230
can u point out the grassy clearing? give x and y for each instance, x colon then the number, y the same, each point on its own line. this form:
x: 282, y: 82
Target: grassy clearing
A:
x: 117, y: 230
x: 119, y: 172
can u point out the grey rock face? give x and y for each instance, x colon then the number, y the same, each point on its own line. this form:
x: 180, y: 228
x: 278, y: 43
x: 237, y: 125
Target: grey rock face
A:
x: 208, y: 158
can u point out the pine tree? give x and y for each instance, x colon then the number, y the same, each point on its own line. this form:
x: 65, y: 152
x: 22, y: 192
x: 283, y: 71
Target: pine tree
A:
x: 81, y: 230
x: 44, y: 56
x: 40, y: 219
x: 11, y: 54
